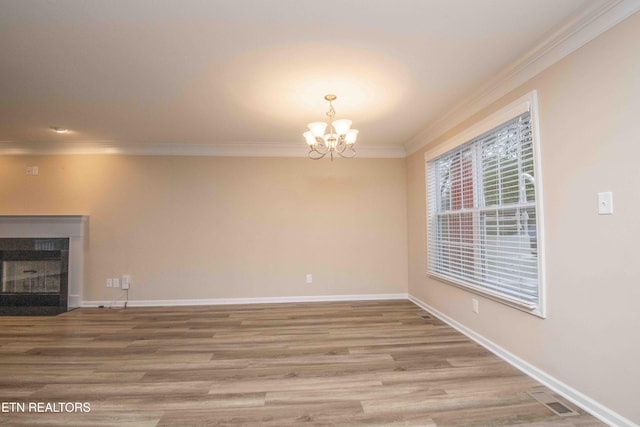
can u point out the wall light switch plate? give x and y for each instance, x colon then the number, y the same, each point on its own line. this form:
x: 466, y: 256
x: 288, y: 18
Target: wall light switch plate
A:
x: 605, y: 203
x: 109, y: 283
x: 116, y: 283
x: 309, y: 278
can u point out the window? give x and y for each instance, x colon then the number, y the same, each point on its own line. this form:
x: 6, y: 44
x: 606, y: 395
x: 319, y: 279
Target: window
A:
x: 484, y: 217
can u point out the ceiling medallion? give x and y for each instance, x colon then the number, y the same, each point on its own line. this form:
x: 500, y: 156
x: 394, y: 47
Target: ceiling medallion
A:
x: 339, y: 137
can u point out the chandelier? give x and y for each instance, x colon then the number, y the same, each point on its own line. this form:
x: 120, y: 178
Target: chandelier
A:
x: 339, y: 137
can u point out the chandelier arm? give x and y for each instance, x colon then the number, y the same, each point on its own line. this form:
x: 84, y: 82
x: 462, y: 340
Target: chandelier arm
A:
x: 320, y: 149
x: 316, y: 155
x: 323, y: 149
x: 352, y: 153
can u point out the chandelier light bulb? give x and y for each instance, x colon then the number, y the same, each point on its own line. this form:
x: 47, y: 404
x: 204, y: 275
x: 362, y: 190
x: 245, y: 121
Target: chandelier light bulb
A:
x: 308, y: 136
x: 342, y: 126
x: 351, y: 137
x: 317, y: 128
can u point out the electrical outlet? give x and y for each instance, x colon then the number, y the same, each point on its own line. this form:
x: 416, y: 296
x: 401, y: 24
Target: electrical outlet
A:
x: 109, y: 283
x: 605, y: 203
x: 126, y: 281
x: 309, y: 278
x: 116, y: 282
x: 475, y: 305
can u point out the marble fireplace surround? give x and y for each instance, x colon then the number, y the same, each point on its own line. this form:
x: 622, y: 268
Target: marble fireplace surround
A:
x: 73, y: 227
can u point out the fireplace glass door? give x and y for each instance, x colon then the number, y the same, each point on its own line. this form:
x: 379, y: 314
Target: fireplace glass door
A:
x: 34, y: 276
x: 31, y: 276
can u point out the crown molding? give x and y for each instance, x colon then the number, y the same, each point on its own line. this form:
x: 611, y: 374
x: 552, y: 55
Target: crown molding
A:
x: 381, y: 152
x: 574, y: 34
x: 245, y: 149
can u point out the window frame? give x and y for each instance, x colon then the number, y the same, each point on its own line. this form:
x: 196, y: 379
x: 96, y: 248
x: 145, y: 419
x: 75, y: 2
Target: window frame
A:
x: 526, y: 103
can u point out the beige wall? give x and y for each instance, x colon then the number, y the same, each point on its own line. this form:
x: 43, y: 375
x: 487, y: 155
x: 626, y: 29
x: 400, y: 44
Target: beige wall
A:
x: 589, y: 106
x: 206, y: 227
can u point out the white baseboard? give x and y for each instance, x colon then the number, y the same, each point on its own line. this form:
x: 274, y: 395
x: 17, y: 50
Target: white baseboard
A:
x: 596, y: 409
x: 227, y: 301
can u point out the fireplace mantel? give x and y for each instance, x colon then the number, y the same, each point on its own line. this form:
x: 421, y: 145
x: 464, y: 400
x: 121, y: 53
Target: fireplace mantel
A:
x: 73, y: 227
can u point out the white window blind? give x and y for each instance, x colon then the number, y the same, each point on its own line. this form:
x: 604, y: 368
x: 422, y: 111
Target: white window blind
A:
x: 482, y: 219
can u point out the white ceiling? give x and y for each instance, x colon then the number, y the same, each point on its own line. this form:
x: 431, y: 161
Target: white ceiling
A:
x: 213, y: 72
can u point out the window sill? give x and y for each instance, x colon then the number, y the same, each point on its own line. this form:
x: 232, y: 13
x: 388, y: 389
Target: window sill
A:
x: 537, y: 310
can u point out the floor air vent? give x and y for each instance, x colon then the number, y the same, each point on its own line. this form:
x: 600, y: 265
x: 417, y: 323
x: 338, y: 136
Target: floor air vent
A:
x: 553, y: 403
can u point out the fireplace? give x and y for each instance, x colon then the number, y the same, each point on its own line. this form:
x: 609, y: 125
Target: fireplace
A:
x: 34, y: 276
x: 42, y: 263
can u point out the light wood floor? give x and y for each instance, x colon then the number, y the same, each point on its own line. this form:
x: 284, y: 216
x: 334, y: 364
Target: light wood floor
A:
x: 356, y: 363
